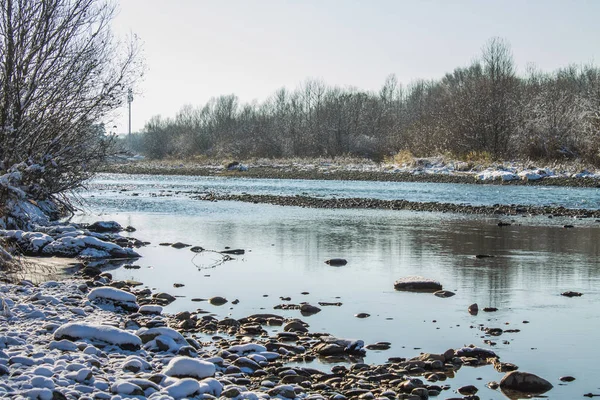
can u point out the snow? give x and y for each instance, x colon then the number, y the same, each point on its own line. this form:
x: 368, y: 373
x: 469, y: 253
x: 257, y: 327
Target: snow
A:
x: 126, y: 388
x: 189, y: 367
x: 211, y: 386
x: 110, y: 293
x: 183, y: 388
x: 150, y: 309
x: 494, y: 175
x: 247, y: 348
x: 102, y: 333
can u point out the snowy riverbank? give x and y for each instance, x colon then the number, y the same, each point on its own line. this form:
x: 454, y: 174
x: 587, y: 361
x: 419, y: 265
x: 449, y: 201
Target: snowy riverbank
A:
x: 434, y: 169
x: 79, y: 339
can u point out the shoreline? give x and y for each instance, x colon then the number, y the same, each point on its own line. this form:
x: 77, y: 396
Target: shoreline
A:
x: 337, y: 172
x: 102, y: 337
x: 501, y: 211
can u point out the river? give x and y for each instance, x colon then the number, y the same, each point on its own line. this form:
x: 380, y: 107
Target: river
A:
x: 536, y: 259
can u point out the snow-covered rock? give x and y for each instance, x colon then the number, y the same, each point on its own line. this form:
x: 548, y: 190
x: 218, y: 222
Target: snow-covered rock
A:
x: 186, y: 367
x: 247, y: 348
x: 186, y: 387
x: 150, y: 309
x: 110, y: 293
x: 98, y: 333
x: 113, y: 297
x: 494, y: 175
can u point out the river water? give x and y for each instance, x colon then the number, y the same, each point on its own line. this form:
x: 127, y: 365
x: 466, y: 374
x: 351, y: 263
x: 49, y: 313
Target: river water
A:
x: 535, y: 260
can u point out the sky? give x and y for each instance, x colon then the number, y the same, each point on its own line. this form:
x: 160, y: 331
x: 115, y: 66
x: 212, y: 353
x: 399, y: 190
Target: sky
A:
x: 198, y: 49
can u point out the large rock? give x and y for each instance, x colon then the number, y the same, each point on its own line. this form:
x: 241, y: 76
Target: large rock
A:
x: 417, y: 284
x: 524, y: 382
x: 186, y: 367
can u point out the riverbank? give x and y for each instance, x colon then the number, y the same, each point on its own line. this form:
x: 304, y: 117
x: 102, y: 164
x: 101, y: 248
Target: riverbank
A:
x: 436, y: 170
x: 100, y: 338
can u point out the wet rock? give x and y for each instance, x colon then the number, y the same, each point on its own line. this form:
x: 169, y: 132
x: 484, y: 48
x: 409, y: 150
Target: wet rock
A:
x: 165, y: 297
x: 379, y: 346
x: 197, y: 249
x: 490, y: 309
x: 571, y: 294
x: 362, y: 315
x: 476, y: 352
x: 105, y: 226
x: 295, y: 326
x: 217, y: 300
x: 467, y: 390
x: 473, y: 309
x: 91, y: 271
x: 178, y: 285
x: 484, y: 256
x: 326, y: 304
x: 234, y: 251
x: 336, y: 262
x: 524, y: 382
x: 444, y: 293
x: 504, y: 366
x: 567, y: 379
x: 417, y: 284
x: 307, y: 309
x: 493, y: 385
x: 180, y: 245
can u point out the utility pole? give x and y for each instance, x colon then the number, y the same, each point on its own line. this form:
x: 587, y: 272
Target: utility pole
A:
x: 129, y: 100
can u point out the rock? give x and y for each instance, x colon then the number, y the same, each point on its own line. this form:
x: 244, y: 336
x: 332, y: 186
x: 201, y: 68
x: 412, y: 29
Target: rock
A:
x: 197, y: 249
x: 417, y: 284
x: 467, y: 390
x: 165, y: 296
x: 186, y: 367
x: 105, y: 226
x: 490, y: 309
x: 379, y: 346
x: 476, y: 352
x: 217, y: 300
x: 484, y: 256
x: 567, y: 379
x: 336, y: 262
x: 473, y: 309
x: 524, y: 382
x: 234, y: 251
x: 307, y: 309
x: 180, y: 245
x: 91, y: 271
x: 362, y: 315
x: 295, y: 326
x: 178, y: 285
x: 571, y: 294
x: 444, y: 293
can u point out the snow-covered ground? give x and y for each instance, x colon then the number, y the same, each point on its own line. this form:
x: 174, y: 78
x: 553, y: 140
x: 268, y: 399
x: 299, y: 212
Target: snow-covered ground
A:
x: 431, y: 166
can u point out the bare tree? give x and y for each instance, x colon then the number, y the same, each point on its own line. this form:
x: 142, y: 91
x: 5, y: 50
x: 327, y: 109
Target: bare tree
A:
x: 500, y: 73
x: 61, y: 74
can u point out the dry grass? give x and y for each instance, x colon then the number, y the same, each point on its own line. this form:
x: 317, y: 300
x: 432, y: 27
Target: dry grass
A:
x: 403, y: 157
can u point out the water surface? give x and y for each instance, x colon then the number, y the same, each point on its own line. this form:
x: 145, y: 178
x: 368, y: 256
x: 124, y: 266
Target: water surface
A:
x: 535, y: 260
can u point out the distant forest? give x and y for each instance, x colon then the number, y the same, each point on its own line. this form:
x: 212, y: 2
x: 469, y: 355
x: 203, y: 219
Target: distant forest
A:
x: 484, y: 108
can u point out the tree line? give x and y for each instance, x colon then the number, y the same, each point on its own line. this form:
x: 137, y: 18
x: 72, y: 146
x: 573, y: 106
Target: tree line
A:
x: 482, y: 108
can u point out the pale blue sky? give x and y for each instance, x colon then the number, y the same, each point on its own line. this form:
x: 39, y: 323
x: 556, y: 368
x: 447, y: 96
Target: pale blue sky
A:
x: 197, y: 49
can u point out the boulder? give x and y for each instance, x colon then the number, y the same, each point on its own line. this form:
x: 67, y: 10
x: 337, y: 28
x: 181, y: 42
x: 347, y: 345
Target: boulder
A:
x: 524, y: 382
x: 336, y: 262
x: 417, y: 284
